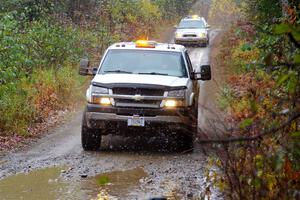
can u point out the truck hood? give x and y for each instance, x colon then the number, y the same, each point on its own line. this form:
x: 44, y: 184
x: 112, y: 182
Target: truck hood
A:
x: 136, y: 79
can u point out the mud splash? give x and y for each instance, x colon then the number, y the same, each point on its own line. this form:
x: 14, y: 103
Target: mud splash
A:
x: 39, y: 184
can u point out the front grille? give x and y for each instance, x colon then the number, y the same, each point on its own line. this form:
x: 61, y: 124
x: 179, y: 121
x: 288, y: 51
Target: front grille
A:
x: 139, y: 91
x: 137, y: 103
x: 190, y: 35
x: 133, y: 103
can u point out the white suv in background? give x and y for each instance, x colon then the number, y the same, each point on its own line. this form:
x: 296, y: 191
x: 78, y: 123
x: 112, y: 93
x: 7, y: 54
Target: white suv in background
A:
x: 192, y: 30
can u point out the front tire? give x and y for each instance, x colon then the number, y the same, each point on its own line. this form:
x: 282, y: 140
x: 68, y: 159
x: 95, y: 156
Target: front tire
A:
x: 185, y: 141
x: 186, y: 137
x: 90, y: 138
x: 205, y: 44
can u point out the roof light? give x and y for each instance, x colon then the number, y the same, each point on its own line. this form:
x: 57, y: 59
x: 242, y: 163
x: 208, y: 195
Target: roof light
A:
x: 195, y: 17
x: 145, y: 44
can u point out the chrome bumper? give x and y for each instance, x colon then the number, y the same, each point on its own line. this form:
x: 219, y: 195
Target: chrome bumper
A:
x: 190, y: 40
x: 98, y: 120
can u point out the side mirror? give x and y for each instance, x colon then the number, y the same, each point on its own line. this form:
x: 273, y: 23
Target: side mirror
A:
x: 84, y: 67
x: 175, y: 26
x: 207, y: 26
x: 204, y: 74
x: 94, y: 70
x: 205, y: 71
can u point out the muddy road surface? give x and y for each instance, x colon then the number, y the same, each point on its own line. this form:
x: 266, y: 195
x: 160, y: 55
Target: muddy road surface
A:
x: 56, y: 167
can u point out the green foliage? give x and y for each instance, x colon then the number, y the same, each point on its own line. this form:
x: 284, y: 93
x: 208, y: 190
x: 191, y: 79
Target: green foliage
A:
x: 246, y: 123
x: 297, y: 59
x: 264, y: 11
x: 103, y: 180
x: 295, y: 134
x: 244, y: 56
x: 174, y: 8
x: 28, y: 10
x: 264, y: 96
x: 37, y: 44
x: 223, y: 12
x: 12, y: 54
x: 282, y: 28
x: 33, y: 52
x: 225, y: 98
x: 50, y: 45
x: 288, y: 79
x: 132, y: 18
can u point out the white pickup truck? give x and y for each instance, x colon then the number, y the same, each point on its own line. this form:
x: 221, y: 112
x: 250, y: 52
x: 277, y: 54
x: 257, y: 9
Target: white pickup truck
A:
x: 140, y: 87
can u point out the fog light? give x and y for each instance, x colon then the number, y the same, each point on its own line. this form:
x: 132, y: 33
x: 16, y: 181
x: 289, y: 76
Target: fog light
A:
x: 170, y: 103
x: 105, y: 101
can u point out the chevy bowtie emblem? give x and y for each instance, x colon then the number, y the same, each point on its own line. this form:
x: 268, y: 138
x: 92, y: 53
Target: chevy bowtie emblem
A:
x: 138, y: 97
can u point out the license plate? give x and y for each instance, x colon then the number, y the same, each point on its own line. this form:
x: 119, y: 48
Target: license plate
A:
x: 136, y: 121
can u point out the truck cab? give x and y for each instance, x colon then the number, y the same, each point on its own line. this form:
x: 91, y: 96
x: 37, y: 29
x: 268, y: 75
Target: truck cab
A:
x: 140, y: 87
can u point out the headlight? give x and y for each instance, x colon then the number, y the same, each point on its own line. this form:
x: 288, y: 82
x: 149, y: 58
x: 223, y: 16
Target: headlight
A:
x: 92, y: 97
x: 176, y: 93
x: 99, y: 90
x: 178, y: 35
x: 202, y: 35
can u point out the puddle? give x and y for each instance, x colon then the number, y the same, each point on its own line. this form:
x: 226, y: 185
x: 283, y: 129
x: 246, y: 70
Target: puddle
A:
x: 40, y: 184
x: 48, y: 184
x: 116, y: 183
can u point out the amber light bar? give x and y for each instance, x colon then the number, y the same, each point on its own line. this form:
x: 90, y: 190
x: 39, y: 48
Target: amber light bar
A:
x: 145, y: 44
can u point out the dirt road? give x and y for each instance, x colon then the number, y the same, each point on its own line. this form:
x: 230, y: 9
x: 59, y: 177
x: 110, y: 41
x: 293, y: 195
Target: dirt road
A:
x: 56, y: 167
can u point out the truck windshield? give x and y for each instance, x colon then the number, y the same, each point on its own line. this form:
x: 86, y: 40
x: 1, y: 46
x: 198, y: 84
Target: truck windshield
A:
x: 191, y: 24
x: 144, y: 62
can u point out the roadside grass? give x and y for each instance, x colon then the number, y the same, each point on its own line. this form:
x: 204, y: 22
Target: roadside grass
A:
x: 55, y: 90
x: 15, y: 109
x: 33, y: 99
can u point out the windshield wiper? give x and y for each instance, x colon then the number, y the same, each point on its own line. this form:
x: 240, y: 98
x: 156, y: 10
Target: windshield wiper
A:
x: 118, y: 71
x: 154, y: 73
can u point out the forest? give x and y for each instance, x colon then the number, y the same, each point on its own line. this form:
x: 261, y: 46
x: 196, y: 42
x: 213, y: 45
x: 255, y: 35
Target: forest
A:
x: 256, y: 154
